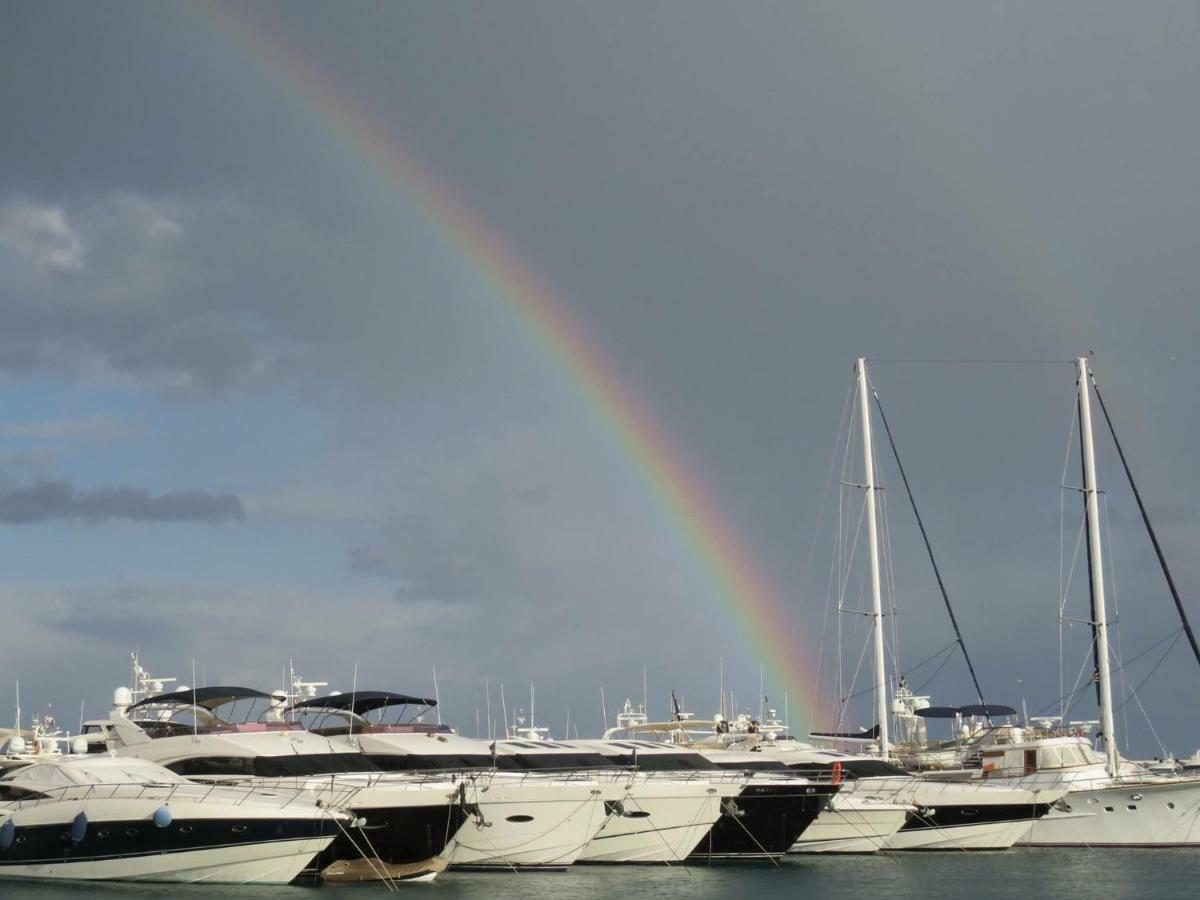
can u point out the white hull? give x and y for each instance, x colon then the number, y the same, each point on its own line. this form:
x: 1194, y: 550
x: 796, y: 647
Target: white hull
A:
x: 986, y: 836
x: 262, y: 863
x: 932, y: 794
x: 1142, y: 815
x: 857, y: 829
x: 663, y: 821
x: 529, y: 823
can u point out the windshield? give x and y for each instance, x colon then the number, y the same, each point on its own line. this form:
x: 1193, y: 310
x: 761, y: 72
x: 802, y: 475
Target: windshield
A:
x: 93, y: 771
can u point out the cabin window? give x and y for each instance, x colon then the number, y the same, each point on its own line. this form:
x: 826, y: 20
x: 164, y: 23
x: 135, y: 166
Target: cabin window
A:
x: 1108, y: 809
x: 1030, y: 761
x: 1131, y: 806
x: 12, y: 792
x: 519, y: 818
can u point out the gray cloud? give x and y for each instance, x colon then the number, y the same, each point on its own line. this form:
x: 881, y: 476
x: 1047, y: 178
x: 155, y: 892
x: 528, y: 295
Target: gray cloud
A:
x: 88, y: 428
x: 739, y: 205
x: 121, y: 286
x: 455, y: 563
x: 47, y: 500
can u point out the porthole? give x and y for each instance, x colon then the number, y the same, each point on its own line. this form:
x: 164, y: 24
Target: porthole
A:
x: 1170, y: 805
x: 1093, y: 799
x: 20, y: 839
x: 637, y: 814
x: 1131, y: 806
x: 102, y: 833
x: 969, y: 811
x: 185, y: 829
x: 131, y: 832
x: 519, y: 819
x: 1108, y: 809
x: 239, y: 829
x: 1135, y: 796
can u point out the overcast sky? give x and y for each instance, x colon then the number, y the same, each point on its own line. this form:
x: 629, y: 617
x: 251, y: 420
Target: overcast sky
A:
x: 254, y: 407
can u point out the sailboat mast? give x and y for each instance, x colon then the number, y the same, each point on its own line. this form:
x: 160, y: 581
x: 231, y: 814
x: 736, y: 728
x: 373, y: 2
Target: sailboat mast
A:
x: 881, y: 694
x: 1092, y: 502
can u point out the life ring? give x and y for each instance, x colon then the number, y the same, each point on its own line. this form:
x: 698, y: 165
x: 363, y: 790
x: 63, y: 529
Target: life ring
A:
x: 837, y: 771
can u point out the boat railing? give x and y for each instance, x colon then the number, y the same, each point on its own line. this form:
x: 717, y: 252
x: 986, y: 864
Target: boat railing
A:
x: 339, y: 788
x: 237, y: 794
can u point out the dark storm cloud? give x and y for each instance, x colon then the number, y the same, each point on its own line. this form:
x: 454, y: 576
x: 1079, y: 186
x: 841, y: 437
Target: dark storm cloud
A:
x: 118, y: 283
x: 737, y: 202
x: 46, y: 501
x: 457, y: 563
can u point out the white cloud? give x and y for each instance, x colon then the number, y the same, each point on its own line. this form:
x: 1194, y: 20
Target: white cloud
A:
x: 41, y: 235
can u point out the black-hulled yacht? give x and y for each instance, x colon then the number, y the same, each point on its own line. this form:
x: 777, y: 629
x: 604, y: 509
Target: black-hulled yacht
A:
x: 197, y: 733
x: 763, y: 808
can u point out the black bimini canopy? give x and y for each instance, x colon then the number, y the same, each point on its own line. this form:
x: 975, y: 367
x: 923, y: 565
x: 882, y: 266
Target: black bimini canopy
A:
x: 991, y: 710
x: 871, y: 735
x: 207, y: 697
x: 939, y: 712
x: 988, y: 709
x: 362, y: 702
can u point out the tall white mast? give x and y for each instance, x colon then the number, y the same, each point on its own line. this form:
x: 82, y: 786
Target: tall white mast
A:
x: 881, y: 697
x: 1092, y: 501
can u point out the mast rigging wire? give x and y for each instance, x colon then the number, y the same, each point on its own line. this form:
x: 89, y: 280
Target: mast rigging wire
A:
x: 928, y: 548
x: 1162, y: 560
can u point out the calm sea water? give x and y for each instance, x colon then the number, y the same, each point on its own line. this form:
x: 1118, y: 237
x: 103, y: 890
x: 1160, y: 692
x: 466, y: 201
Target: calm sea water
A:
x: 1027, y: 874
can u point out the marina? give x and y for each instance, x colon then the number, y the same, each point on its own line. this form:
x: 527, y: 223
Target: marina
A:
x: 599, y: 450
x: 236, y: 785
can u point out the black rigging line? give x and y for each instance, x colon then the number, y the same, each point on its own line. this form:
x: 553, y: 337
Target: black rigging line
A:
x: 1150, y: 674
x: 928, y: 548
x: 1070, y: 696
x: 867, y: 690
x: 1091, y: 584
x: 1162, y: 560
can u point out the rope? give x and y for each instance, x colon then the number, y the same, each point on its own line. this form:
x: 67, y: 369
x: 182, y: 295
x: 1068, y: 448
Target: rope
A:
x: 383, y: 876
x: 371, y: 847
x: 773, y: 860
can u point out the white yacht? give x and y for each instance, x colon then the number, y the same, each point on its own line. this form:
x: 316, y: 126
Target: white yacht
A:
x: 194, y: 733
x: 102, y: 818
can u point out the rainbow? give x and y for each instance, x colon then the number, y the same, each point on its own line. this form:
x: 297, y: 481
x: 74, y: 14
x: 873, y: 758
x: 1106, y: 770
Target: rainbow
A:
x: 761, y: 612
